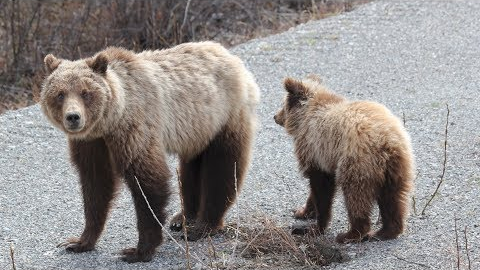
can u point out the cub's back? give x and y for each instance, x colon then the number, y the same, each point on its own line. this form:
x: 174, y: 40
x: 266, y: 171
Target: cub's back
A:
x: 361, y: 130
x: 372, y: 123
x: 373, y: 135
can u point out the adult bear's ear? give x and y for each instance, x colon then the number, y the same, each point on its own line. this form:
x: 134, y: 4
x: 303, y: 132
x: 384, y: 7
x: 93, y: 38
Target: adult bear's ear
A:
x: 295, y: 87
x: 99, y: 64
x: 51, y: 63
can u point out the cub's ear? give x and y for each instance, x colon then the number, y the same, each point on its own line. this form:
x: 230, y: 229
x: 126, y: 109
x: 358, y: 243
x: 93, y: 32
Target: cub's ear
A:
x: 295, y: 87
x: 99, y: 64
x: 51, y: 63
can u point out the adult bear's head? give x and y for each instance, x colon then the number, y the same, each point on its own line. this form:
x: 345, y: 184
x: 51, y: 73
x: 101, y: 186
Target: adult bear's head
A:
x: 75, y: 94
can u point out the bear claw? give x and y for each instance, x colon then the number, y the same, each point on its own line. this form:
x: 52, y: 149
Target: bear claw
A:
x: 303, y: 213
x: 176, y: 223
x: 75, y: 245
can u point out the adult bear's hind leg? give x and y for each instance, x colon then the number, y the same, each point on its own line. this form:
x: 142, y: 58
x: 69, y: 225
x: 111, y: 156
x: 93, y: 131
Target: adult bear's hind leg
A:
x: 190, y: 191
x: 227, y: 155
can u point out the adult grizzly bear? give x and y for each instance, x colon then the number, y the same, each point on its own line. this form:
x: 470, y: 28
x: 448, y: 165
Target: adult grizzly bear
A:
x: 357, y: 145
x: 123, y: 112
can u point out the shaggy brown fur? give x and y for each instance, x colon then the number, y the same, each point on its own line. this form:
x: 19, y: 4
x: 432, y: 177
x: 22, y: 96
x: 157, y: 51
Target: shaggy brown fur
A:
x: 359, y: 146
x: 124, y: 112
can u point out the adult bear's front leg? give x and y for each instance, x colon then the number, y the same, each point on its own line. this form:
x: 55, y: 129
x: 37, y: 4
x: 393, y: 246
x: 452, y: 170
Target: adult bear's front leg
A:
x: 152, y: 174
x: 98, y: 184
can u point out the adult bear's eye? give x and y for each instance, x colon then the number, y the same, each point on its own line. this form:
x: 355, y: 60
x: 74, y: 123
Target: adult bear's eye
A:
x: 60, y: 96
x: 85, y: 94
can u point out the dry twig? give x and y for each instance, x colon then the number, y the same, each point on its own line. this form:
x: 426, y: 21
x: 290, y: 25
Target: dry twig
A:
x: 237, y: 215
x: 456, y: 242
x: 414, y: 201
x: 466, y: 249
x: 212, y: 252
x: 185, y: 15
x: 251, y: 241
x: 184, y: 224
x: 444, y: 164
x: 12, y: 257
x: 411, y: 262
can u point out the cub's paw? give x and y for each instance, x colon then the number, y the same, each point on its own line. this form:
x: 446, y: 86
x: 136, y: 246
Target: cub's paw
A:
x: 76, y: 245
x: 176, y: 223
x: 132, y: 255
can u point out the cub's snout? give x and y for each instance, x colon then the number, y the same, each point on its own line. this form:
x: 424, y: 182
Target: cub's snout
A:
x: 279, y: 118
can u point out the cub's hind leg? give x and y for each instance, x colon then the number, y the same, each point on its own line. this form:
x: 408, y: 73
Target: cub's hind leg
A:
x: 360, y: 192
x: 393, y: 201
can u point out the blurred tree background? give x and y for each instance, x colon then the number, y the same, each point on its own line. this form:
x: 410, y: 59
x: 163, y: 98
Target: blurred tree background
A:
x: 72, y: 29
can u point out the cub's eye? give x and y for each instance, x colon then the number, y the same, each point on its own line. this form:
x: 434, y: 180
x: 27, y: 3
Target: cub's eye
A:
x: 60, y: 96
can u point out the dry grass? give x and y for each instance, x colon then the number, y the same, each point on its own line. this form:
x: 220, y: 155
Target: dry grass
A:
x: 74, y: 29
x: 268, y: 245
x: 271, y: 245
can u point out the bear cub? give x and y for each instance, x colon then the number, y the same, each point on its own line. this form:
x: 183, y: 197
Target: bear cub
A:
x: 124, y: 112
x: 357, y: 146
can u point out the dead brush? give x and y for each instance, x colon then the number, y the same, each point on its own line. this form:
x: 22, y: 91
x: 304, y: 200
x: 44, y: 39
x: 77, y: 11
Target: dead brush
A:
x: 76, y: 29
x: 274, y: 245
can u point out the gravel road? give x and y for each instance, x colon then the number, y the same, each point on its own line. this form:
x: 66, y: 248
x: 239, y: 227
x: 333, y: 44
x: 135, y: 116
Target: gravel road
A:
x: 413, y: 56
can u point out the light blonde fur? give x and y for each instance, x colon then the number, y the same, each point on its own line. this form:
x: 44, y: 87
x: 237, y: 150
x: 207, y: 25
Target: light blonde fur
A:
x: 191, y: 91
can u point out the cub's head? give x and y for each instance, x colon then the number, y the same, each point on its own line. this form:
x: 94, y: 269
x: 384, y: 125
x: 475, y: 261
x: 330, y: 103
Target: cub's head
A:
x: 294, y: 104
x: 301, y: 95
x: 75, y: 93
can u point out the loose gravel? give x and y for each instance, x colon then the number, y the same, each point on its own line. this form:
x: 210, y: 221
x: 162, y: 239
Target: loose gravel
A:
x: 412, y: 56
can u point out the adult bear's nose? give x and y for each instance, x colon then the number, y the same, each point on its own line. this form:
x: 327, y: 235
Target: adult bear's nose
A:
x: 73, y: 117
